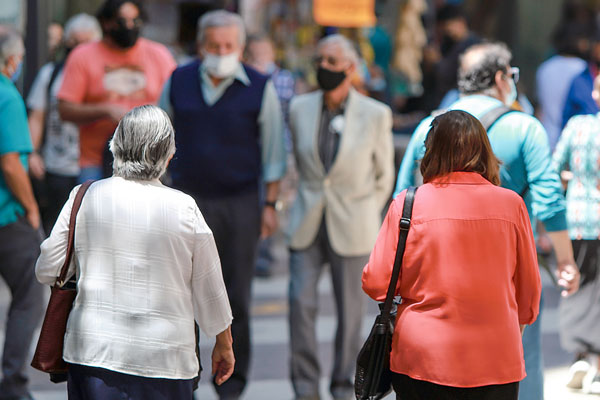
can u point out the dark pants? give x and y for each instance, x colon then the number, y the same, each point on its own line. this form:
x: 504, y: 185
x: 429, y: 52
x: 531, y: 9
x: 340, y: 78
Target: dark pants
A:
x: 51, y: 194
x: 19, y: 249
x: 235, y: 223
x: 407, y: 388
x: 90, y: 383
x: 58, y: 188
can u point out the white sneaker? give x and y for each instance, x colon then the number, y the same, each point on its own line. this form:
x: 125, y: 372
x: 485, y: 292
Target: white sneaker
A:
x: 593, y: 387
x: 577, y: 373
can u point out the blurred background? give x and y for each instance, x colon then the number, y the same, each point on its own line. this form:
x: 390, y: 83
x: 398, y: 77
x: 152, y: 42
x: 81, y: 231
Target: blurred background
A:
x: 401, y: 41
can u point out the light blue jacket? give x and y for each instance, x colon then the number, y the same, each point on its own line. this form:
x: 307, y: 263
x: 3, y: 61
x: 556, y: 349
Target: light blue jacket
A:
x: 520, y: 142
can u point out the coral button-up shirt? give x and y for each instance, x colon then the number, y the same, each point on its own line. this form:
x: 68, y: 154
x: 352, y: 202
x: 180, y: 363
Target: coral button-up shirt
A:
x: 469, y: 278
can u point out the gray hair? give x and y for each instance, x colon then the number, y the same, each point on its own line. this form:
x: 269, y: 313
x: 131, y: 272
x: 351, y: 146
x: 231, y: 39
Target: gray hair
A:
x: 143, y: 143
x: 83, y: 23
x: 11, y: 44
x: 478, y: 67
x: 347, y: 46
x: 219, y: 18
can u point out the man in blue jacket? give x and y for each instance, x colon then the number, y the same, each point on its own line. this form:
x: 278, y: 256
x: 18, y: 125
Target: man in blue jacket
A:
x: 486, y: 82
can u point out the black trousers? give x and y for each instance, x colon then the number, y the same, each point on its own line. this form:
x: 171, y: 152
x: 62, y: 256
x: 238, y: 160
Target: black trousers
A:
x: 235, y: 223
x: 407, y: 388
x: 52, y: 193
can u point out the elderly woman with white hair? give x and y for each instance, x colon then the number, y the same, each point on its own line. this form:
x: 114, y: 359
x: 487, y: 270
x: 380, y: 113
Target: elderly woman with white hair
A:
x: 146, y: 266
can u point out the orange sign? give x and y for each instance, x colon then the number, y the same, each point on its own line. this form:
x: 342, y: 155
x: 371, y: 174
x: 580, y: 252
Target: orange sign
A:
x: 344, y: 13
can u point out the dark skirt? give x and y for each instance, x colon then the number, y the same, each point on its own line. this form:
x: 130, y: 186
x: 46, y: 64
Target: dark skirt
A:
x: 90, y: 383
x: 580, y: 312
x: 407, y: 388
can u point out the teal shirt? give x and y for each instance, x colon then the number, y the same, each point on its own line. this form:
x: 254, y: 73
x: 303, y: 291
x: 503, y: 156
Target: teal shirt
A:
x: 14, y: 138
x: 520, y: 142
x: 270, y: 119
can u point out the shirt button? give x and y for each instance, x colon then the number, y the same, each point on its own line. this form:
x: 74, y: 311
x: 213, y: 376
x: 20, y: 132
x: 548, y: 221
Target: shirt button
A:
x: 326, y: 182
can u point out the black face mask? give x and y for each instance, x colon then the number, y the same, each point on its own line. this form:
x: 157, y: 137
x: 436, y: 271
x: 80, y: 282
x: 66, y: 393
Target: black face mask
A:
x: 329, y: 80
x: 124, y: 37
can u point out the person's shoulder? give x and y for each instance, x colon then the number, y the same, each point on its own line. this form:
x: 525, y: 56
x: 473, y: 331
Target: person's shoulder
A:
x: 305, y: 99
x: 519, y: 120
x: 192, y: 64
x: 84, y: 51
x: 254, y: 75
x: 151, y: 45
x: 9, y: 96
x: 46, y: 70
x: 583, y: 122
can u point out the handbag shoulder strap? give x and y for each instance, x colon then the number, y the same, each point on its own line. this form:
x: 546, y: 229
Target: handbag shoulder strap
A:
x: 404, y: 227
x: 71, y: 241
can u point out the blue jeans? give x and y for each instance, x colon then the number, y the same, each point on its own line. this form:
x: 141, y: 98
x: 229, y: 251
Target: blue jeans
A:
x: 532, y: 387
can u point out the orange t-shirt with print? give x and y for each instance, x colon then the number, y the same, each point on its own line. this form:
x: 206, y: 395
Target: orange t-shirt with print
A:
x: 96, y: 73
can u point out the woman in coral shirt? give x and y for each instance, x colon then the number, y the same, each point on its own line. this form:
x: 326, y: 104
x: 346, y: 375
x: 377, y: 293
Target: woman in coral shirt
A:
x: 469, y: 281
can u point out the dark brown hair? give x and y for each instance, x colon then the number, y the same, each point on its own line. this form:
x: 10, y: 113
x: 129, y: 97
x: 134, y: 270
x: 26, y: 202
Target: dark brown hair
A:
x: 458, y: 142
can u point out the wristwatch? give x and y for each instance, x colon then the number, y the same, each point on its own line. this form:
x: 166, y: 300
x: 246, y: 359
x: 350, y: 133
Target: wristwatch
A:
x: 276, y: 205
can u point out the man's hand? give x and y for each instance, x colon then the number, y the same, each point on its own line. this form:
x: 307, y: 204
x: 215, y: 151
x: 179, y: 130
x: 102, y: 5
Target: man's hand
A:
x: 223, y: 359
x: 37, y: 169
x: 33, y: 217
x: 269, y: 222
x: 568, y: 278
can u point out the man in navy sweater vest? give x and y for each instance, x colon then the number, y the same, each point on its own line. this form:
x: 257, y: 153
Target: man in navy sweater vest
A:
x: 230, y: 138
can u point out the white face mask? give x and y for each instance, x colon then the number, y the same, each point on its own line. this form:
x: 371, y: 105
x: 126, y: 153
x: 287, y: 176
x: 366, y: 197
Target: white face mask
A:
x: 221, y: 66
x: 512, y: 95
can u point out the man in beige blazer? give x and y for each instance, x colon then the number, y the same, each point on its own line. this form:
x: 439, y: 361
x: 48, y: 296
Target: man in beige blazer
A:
x: 345, y: 159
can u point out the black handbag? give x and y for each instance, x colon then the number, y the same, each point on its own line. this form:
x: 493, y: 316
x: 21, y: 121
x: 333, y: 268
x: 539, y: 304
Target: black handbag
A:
x: 373, y: 379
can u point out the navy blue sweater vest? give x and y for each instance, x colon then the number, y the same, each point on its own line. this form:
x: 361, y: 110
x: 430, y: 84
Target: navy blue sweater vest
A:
x: 218, y: 147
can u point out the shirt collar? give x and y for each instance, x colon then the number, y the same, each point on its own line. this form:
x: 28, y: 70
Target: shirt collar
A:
x: 6, y: 80
x: 461, y: 178
x: 239, y: 74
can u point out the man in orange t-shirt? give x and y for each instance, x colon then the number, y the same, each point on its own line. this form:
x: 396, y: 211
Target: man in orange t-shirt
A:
x: 104, y: 80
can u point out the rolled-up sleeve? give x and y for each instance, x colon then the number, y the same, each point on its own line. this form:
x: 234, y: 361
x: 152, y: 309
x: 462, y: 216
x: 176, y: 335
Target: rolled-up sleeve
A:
x: 211, y: 304
x: 378, y: 272
x: 528, y: 287
x: 272, y: 135
x: 548, y: 202
x: 54, y: 248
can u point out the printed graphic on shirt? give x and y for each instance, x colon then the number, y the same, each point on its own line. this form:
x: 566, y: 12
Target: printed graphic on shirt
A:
x: 124, y: 81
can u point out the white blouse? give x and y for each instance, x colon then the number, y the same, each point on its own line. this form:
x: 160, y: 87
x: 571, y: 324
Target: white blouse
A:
x: 146, y: 266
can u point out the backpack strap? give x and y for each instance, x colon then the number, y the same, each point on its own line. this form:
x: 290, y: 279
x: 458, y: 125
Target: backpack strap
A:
x: 489, y: 118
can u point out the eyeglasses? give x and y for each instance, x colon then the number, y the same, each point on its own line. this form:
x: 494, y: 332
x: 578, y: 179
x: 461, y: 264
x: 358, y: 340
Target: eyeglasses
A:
x: 514, y: 73
x: 329, y: 60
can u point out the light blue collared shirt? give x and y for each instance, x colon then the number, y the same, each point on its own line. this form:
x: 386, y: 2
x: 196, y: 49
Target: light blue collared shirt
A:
x: 270, y: 118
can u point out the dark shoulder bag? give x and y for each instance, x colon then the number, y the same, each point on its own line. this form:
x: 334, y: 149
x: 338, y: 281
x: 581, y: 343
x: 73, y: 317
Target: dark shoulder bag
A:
x: 373, y: 378
x: 48, y: 355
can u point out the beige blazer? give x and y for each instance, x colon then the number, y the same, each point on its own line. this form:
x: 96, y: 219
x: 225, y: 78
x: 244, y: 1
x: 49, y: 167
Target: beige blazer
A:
x: 352, y: 195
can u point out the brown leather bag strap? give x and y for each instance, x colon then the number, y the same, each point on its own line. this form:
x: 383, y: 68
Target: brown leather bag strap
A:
x: 74, y: 210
